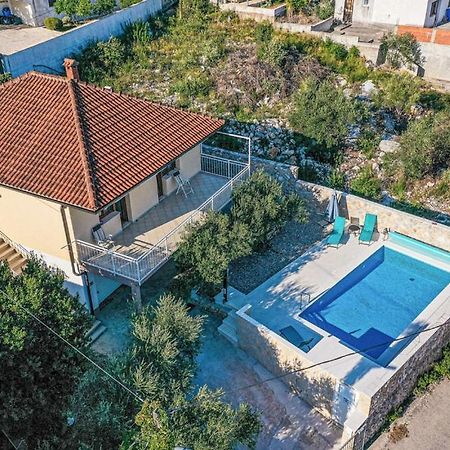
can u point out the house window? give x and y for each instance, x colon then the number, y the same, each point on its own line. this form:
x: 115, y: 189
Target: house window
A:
x: 434, y: 7
x: 120, y: 206
x: 365, y: 3
x: 171, y: 166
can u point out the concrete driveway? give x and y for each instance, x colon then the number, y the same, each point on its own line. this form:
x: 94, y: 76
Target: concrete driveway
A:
x: 288, y: 422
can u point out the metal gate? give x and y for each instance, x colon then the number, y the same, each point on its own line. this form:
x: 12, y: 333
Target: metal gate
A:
x: 348, y: 11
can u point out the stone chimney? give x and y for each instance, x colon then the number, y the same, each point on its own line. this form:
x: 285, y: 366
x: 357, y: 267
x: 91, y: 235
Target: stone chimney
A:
x: 71, y: 67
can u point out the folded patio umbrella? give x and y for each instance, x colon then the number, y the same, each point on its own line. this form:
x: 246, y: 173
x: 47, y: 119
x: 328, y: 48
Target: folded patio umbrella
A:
x: 332, y: 210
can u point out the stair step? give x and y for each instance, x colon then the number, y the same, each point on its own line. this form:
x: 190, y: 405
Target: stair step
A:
x: 97, y: 333
x: 94, y: 326
x: 18, y: 265
x: 7, y: 253
x: 229, y: 333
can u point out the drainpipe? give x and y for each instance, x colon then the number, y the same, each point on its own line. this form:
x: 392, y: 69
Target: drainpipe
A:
x: 83, y: 274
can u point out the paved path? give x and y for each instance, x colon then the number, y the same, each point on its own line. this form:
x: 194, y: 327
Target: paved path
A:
x: 428, y: 422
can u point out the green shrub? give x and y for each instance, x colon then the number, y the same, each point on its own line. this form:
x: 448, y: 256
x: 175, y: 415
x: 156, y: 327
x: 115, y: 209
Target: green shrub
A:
x: 263, y: 32
x: 53, y: 23
x: 322, y: 112
x: 366, y: 184
x: 398, y: 92
x: 368, y: 143
x: 442, y: 188
x: 208, y: 248
x: 325, y: 9
x: 102, y: 7
x: 193, y: 85
x: 425, y: 146
x: 336, y: 179
x: 101, y: 59
x: 398, y: 188
x: 84, y: 8
x: 127, y: 3
x: 4, y: 77
x: 401, y: 50
x: 261, y: 205
x: 274, y: 52
x: 440, y: 370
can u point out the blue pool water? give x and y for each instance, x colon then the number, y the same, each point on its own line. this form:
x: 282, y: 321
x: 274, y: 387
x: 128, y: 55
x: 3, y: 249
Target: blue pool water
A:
x: 377, y: 301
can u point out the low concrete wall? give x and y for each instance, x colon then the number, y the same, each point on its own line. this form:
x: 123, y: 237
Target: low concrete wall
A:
x: 324, y: 25
x: 245, y: 11
x: 414, y: 226
x: 51, y: 53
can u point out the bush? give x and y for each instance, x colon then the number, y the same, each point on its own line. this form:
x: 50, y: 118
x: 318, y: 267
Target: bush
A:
x: 273, y: 52
x: 263, y: 32
x: 401, y: 50
x: 53, y: 23
x: 4, y: 77
x: 101, y: 59
x: 325, y: 9
x: 398, y: 93
x: 208, y: 248
x: 261, y: 205
x: 425, y: 146
x: 440, y: 370
x: 102, y: 7
x: 336, y: 179
x: 442, y: 188
x: 366, y: 184
x: 193, y: 85
x: 368, y: 143
x: 322, y: 112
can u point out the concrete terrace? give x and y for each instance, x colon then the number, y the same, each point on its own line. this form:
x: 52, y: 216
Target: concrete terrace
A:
x: 142, y: 235
x: 15, y: 39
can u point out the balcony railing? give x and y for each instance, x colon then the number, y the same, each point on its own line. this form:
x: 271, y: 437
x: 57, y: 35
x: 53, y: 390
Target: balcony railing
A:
x: 139, y: 269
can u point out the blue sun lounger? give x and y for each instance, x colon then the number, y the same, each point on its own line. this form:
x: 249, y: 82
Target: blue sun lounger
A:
x: 366, y: 234
x: 334, y: 239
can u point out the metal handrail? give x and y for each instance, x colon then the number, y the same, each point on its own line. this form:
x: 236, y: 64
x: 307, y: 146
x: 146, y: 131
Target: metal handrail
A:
x: 160, y: 252
x: 20, y: 248
x: 182, y: 224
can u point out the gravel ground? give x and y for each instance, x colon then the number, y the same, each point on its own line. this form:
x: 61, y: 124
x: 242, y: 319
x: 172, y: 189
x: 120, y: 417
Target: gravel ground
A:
x: 249, y: 272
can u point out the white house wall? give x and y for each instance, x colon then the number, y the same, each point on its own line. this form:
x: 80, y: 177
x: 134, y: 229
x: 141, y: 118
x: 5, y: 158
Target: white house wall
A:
x: 393, y: 12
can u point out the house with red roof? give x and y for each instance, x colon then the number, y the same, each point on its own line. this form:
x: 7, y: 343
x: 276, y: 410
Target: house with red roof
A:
x: 99, y: 184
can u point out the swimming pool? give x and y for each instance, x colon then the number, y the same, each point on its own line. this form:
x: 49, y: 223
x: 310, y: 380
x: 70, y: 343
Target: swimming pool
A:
x: 377, y: 301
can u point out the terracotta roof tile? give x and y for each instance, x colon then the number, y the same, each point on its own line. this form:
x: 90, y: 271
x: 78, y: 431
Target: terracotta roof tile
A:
x: 86, y: 146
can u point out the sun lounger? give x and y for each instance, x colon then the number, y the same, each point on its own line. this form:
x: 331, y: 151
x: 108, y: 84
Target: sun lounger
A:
x: 366, y: 234
x: 334, y: 239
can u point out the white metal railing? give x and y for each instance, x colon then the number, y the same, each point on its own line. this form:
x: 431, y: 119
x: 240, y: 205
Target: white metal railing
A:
x: 20, y: 248
x: 138, y: 269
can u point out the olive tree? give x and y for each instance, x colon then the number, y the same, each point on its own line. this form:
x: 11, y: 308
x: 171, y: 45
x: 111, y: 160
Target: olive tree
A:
x: 38, y: 372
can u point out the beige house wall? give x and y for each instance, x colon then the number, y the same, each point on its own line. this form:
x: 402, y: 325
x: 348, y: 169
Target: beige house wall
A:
x: 33, y: 222
x: 190, y: 163
x: 142, y: 198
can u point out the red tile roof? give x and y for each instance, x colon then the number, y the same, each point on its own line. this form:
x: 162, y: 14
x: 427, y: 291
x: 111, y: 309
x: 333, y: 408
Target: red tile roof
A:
x: 85, y: 146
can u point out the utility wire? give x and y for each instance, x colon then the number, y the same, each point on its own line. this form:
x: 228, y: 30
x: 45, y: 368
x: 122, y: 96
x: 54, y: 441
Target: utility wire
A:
x: 112, y: 377
x: 249, y: 386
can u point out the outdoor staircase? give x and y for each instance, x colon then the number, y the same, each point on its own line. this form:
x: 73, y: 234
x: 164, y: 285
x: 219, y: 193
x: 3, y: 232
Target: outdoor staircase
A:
x: 15, y: 260
x: 235, y: 302
x: 95, y: 331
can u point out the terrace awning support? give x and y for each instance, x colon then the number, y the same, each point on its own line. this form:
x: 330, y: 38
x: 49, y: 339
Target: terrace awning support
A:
x: 136, y: 296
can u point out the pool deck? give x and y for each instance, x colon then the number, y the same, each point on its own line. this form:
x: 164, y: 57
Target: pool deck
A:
x: 277, y: 303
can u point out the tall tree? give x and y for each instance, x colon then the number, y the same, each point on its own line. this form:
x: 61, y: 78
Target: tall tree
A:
x: 38, y: 371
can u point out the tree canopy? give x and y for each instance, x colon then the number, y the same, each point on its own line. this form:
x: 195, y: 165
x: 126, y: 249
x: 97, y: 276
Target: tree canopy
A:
x: 322, y: 112
x: 39, y: 372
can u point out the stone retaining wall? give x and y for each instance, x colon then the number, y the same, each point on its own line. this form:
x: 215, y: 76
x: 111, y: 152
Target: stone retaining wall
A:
x: 416, y: 227
x: 400, y: 385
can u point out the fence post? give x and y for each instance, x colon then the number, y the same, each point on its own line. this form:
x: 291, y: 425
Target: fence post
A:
x: 112, y: 263
x: 228, y: 172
